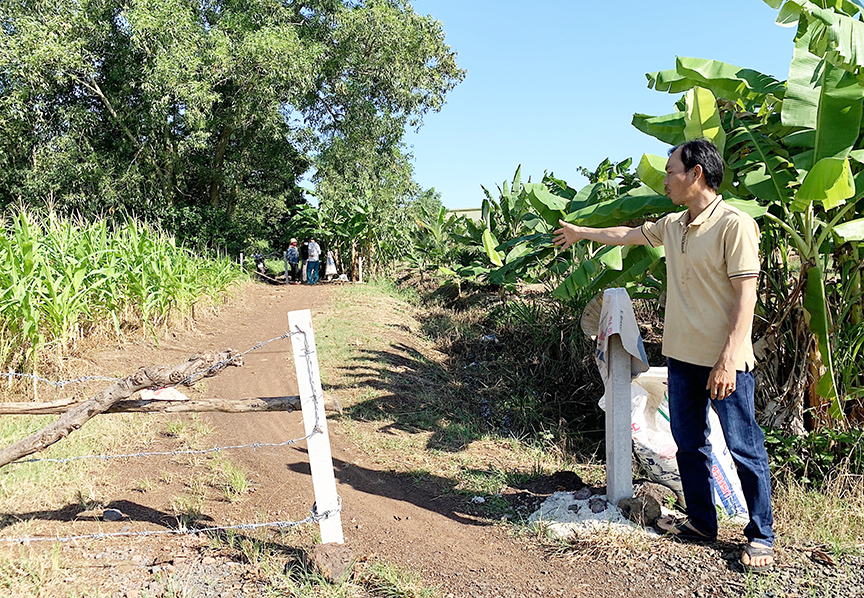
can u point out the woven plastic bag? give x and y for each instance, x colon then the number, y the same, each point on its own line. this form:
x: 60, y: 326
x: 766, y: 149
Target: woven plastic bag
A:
x: 655, y: 448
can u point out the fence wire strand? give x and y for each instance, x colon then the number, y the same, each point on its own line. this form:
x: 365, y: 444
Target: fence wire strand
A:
x: 313, y: 518
x: 316, y: 429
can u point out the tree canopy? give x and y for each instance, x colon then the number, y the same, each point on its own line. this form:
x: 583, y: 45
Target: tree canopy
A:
x: 204, y: 115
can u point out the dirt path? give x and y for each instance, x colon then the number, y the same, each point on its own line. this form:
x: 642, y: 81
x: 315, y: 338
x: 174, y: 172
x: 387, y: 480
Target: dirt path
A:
x: 383, y: 514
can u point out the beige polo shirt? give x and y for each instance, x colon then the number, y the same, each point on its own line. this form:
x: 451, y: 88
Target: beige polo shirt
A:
x: 722, y: 243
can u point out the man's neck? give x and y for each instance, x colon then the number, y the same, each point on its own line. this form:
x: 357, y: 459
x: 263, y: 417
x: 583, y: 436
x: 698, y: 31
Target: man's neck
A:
x: 700, y: 203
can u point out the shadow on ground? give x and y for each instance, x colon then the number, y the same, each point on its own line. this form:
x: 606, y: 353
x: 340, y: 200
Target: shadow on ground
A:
x: 76, y: 512
x: 414, y: 394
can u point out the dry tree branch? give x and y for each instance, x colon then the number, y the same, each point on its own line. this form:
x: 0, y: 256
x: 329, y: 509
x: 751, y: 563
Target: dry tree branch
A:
x: 207, y: 365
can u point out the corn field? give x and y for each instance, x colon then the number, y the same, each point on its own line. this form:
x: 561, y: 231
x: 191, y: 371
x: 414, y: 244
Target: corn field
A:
x: 61, y: 279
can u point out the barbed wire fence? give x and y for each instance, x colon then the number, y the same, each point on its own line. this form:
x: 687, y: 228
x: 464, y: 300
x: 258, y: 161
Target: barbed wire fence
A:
x: 317, y: 399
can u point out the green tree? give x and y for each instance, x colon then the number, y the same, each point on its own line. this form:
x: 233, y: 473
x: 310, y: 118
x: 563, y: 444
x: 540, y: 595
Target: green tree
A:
x: 204, y: 115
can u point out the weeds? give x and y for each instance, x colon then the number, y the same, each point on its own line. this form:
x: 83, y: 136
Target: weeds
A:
x: 188, y: 430
x: 814, y: 457
x: 44, y: 485
x: 187, y: 510
x: 388, y: 581
x: 832, y: 516
x: 231, y: 481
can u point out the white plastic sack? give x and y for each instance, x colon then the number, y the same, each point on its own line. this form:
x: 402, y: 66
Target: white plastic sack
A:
x: 330, y: 268
x: 655, y: 448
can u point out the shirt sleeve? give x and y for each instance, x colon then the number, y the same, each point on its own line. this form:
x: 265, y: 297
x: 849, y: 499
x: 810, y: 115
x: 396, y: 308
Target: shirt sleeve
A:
x: 742, y: 248
x: 653, y: 231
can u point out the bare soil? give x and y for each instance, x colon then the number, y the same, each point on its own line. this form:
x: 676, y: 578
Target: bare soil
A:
x: 416, y: 523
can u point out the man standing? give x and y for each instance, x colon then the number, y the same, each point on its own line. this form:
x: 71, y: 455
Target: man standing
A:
x: 314, y: 260
x: 713, y: 266
x: 293, y: 256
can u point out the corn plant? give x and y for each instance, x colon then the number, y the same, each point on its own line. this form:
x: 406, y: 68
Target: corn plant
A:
x: 61, y: 278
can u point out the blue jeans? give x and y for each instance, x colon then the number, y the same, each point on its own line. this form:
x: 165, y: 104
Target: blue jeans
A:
x: 312, y: 272
x: 688, y: 410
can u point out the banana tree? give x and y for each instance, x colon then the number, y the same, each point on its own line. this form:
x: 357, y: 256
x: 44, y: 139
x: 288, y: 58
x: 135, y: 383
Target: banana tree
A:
x: 789, y: 145
x: 639, y: 268
x: 432, y: 239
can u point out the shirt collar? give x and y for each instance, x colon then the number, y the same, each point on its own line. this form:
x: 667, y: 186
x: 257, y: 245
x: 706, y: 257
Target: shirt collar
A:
x: 704, y: 215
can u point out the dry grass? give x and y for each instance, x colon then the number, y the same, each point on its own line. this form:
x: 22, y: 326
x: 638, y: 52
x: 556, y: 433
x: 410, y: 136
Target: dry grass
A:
x: 832, y: 517
x: 45, y: 485
x: 403, y: 405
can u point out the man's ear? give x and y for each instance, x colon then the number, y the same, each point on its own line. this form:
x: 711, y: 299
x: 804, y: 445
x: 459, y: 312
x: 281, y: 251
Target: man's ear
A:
x: 697, y: 172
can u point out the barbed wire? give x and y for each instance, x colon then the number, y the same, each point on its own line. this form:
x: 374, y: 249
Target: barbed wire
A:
x: 219, y: 365
x: 188, y: 380
x: 57, y: 383
x: 215, y: 449
x: 313, y: 518
x: 316, y: 429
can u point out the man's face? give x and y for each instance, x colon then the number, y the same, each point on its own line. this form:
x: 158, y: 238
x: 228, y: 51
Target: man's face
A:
x: 677, y: 181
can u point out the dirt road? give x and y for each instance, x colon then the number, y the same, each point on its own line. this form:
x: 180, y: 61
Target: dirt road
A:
x: 384, y: 514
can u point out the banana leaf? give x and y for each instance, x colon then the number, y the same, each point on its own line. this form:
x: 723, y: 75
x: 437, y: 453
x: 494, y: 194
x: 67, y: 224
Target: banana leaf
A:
x: 536, y: 223
x: 611, y: 256
x: 702, y: 118
x: 729, y: 81
x: 580, y: 278
x: 819, y: 321
x: 724, y: 80
x: 668, y: 129
x: 638, y: 261
x: 838, y: 37
x: 760, y: 162
x: 830, y: 183
x: 652, y: 172
x: 852, y: 230
x: 748, y: 206
x: 548, y: 206
x: 489, y: 244
x: 587, y: 196
x: 635, y: 204
x: 631, y: 265
x: 559, y: 186
x: 823, y: 99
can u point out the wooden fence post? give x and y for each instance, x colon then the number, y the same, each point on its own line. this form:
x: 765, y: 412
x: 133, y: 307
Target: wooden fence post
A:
x: 312, y: 403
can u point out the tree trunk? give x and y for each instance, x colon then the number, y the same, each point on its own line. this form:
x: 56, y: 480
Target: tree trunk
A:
x: 218, y: 165
x: 819, y: 416
x: 246, y: 405
x: 150, y: 377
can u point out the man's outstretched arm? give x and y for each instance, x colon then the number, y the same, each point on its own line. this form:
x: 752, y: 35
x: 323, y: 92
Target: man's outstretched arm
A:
x: 613, y: 235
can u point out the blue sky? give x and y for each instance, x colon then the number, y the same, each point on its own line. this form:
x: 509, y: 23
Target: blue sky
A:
x: 553, y: 84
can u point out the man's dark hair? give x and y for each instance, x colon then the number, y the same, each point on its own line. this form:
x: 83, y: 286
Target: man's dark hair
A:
x: 705, y: 154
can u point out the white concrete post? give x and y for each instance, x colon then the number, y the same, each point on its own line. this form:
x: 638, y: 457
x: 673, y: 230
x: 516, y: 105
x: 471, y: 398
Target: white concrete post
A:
x: 241, y: 259
x: 360, y: 267
x: 312, y: 403
x: 619, y: 460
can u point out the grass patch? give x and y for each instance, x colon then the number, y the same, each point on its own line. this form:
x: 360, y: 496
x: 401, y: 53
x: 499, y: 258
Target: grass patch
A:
x: 189, y: 430
x: 406, y: 408
x: 832, y: 516
x: 388, y: 581
x: 44, y: 484
x: 230, y: 479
